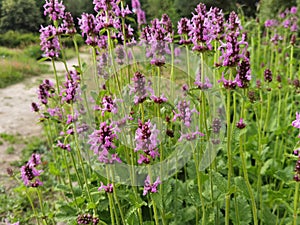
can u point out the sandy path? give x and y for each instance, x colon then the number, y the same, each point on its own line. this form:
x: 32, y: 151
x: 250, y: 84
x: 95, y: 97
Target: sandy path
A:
x: 16, y: 117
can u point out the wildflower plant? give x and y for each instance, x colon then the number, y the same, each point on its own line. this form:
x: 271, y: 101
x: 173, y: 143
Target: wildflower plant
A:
x: 170, y: 126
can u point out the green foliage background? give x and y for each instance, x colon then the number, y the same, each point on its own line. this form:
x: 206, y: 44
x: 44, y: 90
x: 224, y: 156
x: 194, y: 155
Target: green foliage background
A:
x: 27, y: 15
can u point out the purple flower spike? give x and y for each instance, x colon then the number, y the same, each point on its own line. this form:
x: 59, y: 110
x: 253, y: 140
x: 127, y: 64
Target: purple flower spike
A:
x: 146, y: 139
x: 140, y: 89
x: 215, y: 23
x: 49, y: 41
x: 199, y: 32
x: 36, y: 183
x: 35, y: 107
x: 136, y: 8
x: 101, y: 142
x: 54, y: 9
x: 184, y: 113
x: 46, y: 90
x: 268, y: 75
x: 107, y: 188
x: 71, y: 90
x: 293, y: 10
x: 135, y: 4
x: 29, y: 172
x: 143, y: 159
x: 271, y: 23
x: 68, y: 26
x: 216, y: 125
x: 228, y: 84
x: 87, y: 219
x: 88, y: 26
x: 203, y: 85
x: 159, y: 100
x: 108, y: 105
x: 296, y: 123
x: 63, y: 146
x: 244, y: 73
x: 184, y: 26
x: 190, y: 136
x: 276, y: 38
x: 148, y: 187
x: 105, y: 5
x: 34, y: 160
x: 241, y: 124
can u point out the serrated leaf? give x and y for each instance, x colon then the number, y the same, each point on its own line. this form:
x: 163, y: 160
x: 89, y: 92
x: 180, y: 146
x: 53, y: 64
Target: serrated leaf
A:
x: 268, y: 218
x: 66, y: 213
x: 243, y: 215
x: 284, y: 175
x: 242, y: 187
x: 131, y: 217
x: 266, y: 166
x: 156, y: 197
x: 220, y: 182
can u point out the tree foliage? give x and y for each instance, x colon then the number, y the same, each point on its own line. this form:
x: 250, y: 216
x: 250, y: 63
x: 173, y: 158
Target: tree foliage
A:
x: 20, y: 15
x: 270, y: 8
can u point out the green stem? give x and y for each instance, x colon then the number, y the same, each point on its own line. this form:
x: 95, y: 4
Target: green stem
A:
x: 296, y: 202
x: 33, y: 208
x: 291, y: 61
x: 229, y: 159
x: 244, y: 167
x: 80, y: 159
x: 56, y: 77
x: 42, y: 206
x: 188, y: 64
x: 63, y: 56
x: 69, y: 179
x: 111, y: 203
x: 95, y: 68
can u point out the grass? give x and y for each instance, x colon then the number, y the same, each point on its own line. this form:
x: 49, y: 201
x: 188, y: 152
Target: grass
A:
x: 10, y: 138
x: 17, y: 65
x: 10, y: 150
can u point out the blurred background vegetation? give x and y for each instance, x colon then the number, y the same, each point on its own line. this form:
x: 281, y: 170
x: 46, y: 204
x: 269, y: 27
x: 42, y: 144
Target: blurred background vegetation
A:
x: 27, y: 15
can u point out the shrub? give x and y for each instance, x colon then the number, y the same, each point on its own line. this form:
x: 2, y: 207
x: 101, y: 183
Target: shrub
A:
x: 13, y: 39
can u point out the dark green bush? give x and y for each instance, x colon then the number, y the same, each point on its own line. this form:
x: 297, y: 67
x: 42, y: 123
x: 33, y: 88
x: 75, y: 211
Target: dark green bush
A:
x: 13, y: 39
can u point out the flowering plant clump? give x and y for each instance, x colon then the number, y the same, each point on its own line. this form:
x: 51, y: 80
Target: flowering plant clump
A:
x: 178, y: 126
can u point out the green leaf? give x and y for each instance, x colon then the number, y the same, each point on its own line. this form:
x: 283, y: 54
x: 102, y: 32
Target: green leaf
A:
x: 66, y: 213
x: 156, y: 197
x: 284, y: 175
x: 53, y: 169
x: 131, y: 19
x: 241, y: 211
x: 266, y: 166
x: 131, y: 217
x: 44, y: 59
x: 268, y: 218
x: 91, y: 205
x: 220, y: 182
x: 241, y: 185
